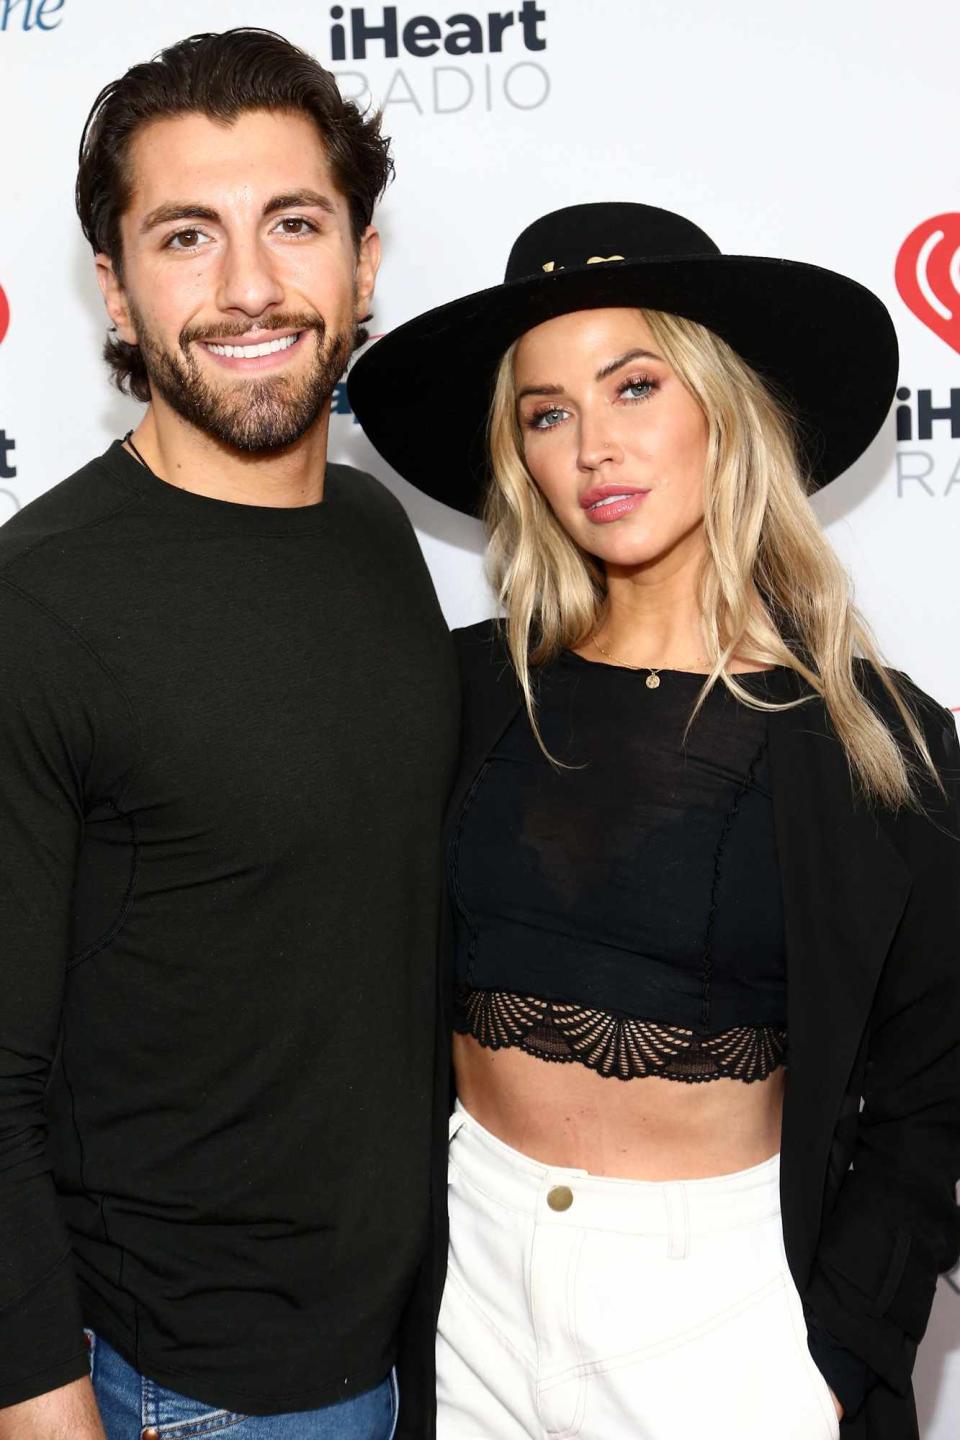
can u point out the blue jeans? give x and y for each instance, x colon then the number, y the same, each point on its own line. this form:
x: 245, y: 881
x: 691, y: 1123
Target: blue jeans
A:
x: 130, y: 1405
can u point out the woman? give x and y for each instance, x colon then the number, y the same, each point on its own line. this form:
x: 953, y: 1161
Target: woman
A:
x: 702, y: 856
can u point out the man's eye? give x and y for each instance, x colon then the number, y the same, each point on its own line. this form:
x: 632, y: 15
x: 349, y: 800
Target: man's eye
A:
x: 296, y: 225
x: 186, y: 240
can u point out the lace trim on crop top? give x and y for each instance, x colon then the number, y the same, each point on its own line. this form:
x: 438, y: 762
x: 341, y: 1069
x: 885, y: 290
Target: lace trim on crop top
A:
x: 616, y: 1046
x: 624, y: 914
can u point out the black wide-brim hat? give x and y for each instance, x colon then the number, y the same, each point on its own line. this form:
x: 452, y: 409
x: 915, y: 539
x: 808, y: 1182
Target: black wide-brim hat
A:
x: 825, y: 345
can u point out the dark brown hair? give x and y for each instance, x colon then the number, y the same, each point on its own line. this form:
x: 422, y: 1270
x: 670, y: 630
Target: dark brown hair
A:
x: 221, y: 76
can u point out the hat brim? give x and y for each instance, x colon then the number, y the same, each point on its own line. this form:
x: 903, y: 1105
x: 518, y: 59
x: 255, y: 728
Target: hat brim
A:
x: 823, y: 343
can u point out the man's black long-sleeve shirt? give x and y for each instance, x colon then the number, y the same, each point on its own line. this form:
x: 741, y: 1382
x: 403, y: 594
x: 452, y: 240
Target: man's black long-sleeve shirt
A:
x: 226, y: 734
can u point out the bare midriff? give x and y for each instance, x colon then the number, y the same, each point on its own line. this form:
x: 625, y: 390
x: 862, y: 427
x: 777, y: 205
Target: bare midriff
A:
x: 648, y: 1128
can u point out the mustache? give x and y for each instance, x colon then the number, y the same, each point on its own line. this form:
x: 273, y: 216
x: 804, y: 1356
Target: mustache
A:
x: 226, y: 332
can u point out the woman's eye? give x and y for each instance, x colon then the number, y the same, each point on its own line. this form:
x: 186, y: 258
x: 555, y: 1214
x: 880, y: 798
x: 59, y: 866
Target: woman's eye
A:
x: 638, y: 389
x: 186, y: 240
x: 547, y: 419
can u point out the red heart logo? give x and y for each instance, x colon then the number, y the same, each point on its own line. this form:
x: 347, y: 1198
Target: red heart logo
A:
x: 4, y: 313
x: 928, y: 276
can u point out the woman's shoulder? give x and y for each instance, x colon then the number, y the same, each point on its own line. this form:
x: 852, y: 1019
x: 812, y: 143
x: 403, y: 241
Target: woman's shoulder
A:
x: 936, y: 815
x: 934, y: 719
x: 481, y: 647
x: 490, y: 691
x: 483, y: 632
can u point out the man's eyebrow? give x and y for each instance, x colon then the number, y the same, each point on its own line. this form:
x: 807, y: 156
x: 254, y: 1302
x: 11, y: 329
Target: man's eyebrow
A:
x: 607, y: 370
x: 300, y: 199
x: 177, y: 210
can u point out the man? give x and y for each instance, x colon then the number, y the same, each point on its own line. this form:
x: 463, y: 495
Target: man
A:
x: 227, y: 720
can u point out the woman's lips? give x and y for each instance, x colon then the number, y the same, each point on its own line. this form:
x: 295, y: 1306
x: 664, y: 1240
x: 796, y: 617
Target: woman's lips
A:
x: 604, y: 505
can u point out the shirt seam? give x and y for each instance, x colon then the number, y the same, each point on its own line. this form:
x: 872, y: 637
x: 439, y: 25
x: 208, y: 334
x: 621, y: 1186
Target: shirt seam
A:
x: 131, y: 499
x: 126, y: 904
x: 79, y: 1358
x: 706, y: 973
x: 77, y: 638
x: 21, y: 1295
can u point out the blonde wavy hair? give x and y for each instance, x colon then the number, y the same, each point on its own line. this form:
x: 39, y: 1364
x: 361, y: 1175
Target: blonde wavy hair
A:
x: 772, y: 591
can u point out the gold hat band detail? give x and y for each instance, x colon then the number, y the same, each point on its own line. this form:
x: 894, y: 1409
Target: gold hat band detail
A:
x: 551, y: 265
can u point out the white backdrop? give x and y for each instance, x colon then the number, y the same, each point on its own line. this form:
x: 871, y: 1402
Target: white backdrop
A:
x: 820, y: 132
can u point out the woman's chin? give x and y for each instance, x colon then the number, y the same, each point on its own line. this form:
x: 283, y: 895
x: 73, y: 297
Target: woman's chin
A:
x: 624, y: 551
x: 628, y: 545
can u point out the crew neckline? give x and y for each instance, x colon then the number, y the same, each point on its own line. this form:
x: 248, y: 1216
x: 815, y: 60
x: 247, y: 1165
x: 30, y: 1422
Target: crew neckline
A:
x: 207, y: 509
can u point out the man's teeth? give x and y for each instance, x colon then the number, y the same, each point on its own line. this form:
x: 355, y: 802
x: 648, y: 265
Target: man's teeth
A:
x: 251, y: 352
x: 608, y: 500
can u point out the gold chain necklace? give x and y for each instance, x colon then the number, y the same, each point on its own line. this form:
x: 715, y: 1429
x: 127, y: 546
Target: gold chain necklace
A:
x: 652, y: 681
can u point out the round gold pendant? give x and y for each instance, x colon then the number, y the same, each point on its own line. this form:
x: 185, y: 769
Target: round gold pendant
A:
x: 653, y: 681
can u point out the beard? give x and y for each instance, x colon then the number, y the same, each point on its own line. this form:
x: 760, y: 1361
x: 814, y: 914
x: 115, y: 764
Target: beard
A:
x: 254, y: 416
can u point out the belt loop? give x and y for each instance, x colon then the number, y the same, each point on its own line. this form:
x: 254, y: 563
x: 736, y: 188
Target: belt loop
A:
x: 149, y: 1407
x: 678, y: 1221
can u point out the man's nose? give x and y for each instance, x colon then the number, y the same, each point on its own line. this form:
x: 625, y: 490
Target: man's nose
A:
x: 248, y: 279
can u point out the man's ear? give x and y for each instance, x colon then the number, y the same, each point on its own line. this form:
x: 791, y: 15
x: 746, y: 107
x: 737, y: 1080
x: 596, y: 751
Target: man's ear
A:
x: 115, y: 299
x: 368, y: 263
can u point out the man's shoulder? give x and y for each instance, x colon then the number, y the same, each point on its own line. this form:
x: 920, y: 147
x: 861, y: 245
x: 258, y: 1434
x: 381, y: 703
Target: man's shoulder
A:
x: 88, y: 497
x: 364, y: 491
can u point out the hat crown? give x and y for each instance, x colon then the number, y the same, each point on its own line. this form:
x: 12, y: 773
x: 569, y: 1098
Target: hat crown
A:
x: 593, y: 234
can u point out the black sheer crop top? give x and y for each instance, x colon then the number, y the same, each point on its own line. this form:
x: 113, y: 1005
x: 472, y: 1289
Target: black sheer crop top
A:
x: 624, y: 912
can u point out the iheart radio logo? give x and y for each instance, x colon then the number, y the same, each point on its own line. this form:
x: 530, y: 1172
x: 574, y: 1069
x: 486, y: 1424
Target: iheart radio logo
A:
x: 928, y: 276
x: 4, y: 313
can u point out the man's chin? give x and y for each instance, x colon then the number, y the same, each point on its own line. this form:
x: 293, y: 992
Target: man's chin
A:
x: 259, y: 413
x: 258, y: 433
x: 253, y: 417
x: 261, y: 444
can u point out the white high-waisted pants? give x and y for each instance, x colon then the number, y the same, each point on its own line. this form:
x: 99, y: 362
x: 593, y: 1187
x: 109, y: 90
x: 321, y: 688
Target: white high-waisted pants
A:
x: 578, y: 1306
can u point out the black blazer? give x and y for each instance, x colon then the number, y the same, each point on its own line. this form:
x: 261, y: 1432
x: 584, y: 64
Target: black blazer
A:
x: 872, y: 918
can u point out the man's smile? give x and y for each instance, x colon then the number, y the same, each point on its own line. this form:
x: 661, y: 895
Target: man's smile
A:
x: 253, y: 352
